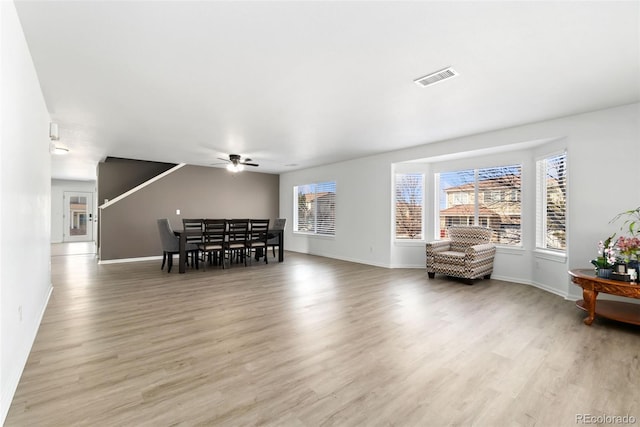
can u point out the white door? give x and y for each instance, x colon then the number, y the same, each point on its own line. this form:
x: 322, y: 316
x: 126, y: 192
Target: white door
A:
x: 78, y: 216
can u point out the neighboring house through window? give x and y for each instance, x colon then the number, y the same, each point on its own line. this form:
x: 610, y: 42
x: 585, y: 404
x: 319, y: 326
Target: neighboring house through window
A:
x: 314, y: 208
x: 488, y: 197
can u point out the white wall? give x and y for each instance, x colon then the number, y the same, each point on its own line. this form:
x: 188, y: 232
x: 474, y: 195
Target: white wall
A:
x: 363, y: 213
x: 603, y: 149
x: 25, y: 193
x: 58, y: 187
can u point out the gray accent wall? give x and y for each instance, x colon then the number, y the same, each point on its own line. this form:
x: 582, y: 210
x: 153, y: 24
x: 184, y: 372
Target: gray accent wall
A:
x: 128, y: 227
x: 117, y: 175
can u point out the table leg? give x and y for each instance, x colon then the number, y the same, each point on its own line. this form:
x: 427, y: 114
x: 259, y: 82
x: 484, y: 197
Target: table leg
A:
x: 182, y: 258
x: 590, y: 304
x: 281, y: 247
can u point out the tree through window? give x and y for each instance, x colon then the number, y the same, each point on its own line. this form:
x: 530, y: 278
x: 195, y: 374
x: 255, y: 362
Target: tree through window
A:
x: 551, y: 202
x: 409, y: 205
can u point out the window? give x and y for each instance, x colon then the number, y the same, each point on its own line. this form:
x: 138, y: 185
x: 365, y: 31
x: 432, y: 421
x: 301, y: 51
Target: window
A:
x: 460, y: 198
x: 314, y: 208
x: 489, y: 197
x: 551, y: 202
x: 492, y: 196
x: 409, y: 202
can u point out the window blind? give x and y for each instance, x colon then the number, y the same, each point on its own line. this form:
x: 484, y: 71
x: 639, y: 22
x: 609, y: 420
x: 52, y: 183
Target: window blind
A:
x: 314, y: 208
x: 326, y: 208
x: 409, y: 206
x: 456, y: 197
x: 499, y: 202
x: 490, y: 197
x: 551, y: 202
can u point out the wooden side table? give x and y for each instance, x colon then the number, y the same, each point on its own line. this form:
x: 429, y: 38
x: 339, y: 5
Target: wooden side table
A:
x: 615, y: 310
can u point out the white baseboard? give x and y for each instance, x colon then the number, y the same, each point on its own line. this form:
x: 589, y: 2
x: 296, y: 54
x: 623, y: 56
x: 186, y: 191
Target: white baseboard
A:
x: 119, y: 260
x: 538, y: 285
x: 409, y: 266
x: 348, y: 259
x: 14, y: 379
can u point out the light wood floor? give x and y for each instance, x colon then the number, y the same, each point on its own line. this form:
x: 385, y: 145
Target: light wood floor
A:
x: 73, y: 248
x: 314, y: 342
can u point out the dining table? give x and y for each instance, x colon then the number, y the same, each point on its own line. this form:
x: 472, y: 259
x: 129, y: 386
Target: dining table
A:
x: 182, y: 237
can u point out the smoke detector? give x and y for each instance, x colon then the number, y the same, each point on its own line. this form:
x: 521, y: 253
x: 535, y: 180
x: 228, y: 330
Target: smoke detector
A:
x: 436, y: 77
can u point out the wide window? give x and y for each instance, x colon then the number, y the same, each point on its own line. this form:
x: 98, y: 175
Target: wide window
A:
x: 489, y: 197
x: 409, y: 206
x: 551, y: 202
x: 314, y: 208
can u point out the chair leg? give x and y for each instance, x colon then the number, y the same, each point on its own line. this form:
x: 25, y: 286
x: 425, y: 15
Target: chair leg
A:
x: 170, y: 255
x: 164, y: 259
x: 431, y: 275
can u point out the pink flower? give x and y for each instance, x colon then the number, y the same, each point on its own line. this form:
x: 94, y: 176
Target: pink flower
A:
x: 628, y: 245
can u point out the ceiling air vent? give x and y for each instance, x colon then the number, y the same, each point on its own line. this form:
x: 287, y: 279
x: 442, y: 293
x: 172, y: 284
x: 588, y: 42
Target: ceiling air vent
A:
x: 436, y: 77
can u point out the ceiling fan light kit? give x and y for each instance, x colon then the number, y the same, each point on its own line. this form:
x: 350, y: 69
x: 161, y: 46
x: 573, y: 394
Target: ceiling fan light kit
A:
x: 235, y: 167
x: 236, y: 164
x: 58, y: 150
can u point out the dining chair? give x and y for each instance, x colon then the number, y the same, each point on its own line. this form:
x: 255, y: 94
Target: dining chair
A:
x: 274, y: 238
x: 213, y: 241
x: 258, y: 235
x: 236, y: 240
x: 171, y: 245
x: 193, y: 226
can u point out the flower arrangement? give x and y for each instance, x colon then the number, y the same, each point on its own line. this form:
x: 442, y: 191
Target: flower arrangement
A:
x: 606, y: 254
x: 632, y: 221
x: 623, y: 249
x: 629, y: 247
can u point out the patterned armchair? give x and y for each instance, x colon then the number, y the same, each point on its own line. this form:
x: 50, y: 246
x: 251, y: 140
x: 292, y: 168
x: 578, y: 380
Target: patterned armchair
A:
x: 468, y: 253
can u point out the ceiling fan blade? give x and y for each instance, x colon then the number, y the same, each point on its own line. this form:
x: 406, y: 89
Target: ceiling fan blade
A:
x: 224, y: 160
x: 249, y: 164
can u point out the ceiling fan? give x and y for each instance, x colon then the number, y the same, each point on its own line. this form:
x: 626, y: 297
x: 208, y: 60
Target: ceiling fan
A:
x: 236, y: 163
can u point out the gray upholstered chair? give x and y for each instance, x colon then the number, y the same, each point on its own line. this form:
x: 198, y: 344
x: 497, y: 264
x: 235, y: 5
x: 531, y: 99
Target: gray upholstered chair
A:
x: 468, y: 253
x: 171, y: 245
x: 274, y: 239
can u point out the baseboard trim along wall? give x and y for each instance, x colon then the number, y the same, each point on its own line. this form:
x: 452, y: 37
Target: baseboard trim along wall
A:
x: 121, y: 260
x: 538, y: 285
x: 14, y: 380
x: 348, y: 259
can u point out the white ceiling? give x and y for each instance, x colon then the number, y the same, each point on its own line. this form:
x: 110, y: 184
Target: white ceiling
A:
x: 311, y: 83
